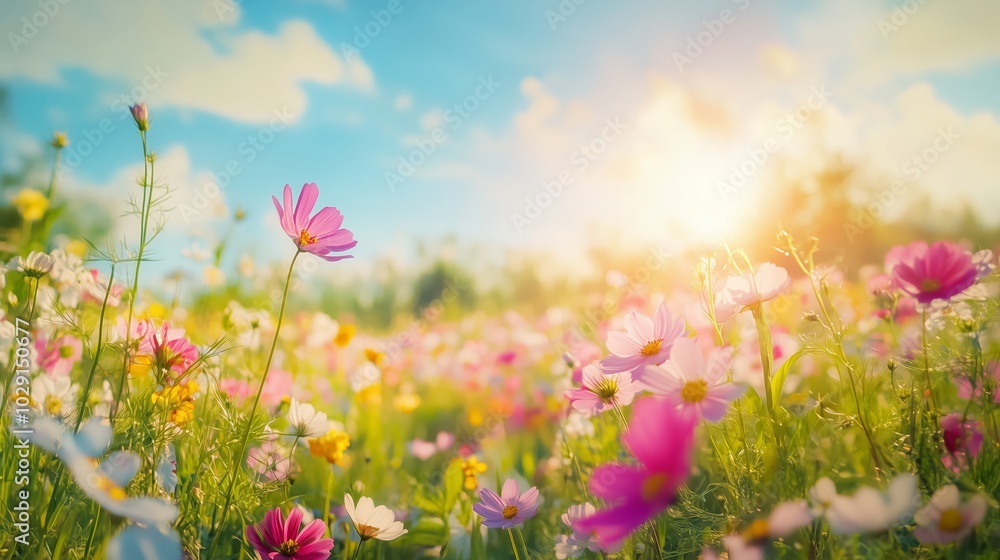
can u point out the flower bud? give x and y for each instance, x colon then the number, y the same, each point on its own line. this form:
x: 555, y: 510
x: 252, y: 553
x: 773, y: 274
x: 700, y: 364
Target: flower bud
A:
x: 141, y: 116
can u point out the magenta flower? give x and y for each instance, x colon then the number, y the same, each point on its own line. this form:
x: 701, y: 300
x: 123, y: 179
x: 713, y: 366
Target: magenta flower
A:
x: 320, y: 234
x: 645, y: 341
x: 276, y: 538
x: 962, y: 440
x: 691, y: 384
x: 938, y: 271
x: 602, y: 392
x: 140, y: 114
x: 991, y: 375
x: 509, y: 509
x: 169, y: 347
x: 661, y: 438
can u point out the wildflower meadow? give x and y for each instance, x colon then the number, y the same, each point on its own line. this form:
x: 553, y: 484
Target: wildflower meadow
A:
x: 397, y: 280
x: 758, y: 412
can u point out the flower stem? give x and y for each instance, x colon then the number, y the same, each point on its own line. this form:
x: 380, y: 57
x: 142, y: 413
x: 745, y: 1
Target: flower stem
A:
x: 97, y: 353
x: 766, y: 365
x: 329, y: 491
x: 524, y: 543
x: 147, y: 188
x: 513, y: 545
x: 927, y: 364
x: 238, y: 458
x: 357, y: 551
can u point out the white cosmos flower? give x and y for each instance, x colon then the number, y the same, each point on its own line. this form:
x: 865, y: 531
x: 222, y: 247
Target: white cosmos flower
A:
x: 373, y: 522
x: 103, y: 483
x: 35, y: 265
x: 868, y: 510
x: 55, y: 396
x: 306, y: 421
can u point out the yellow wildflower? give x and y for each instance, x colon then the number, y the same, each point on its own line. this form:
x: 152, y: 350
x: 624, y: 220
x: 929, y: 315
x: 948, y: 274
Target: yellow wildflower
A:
x: 330, y: 446
x: 31, y: 204
x: 345, y: 333
x: 178, y: 400
x: 471, y: 469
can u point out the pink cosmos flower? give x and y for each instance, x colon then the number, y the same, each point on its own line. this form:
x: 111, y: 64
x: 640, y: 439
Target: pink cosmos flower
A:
x: 57, y: 357
x: 692, y: 384
x: 991, y: 374
x: 573, y: 545
x: 945, y: 519
x: 645, y: 341
x: 661, y: 438
x: 271, y: 460
x: 321, y: 234
x: 784, y: 519
x: 962, y: 440
x: 736, y: 293
x: 276, y: 538
x: 171, y: 350
x: 938, y: 271
x: 424, y: 450
x: 509, y: 509
x: 602, y: 392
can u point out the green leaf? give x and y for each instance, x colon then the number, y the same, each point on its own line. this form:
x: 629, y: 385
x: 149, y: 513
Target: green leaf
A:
x: 477, y: 550
x: 453, y: 480
x: 778, y: 379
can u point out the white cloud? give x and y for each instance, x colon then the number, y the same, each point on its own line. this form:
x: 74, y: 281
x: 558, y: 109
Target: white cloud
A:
x: 187, y: 54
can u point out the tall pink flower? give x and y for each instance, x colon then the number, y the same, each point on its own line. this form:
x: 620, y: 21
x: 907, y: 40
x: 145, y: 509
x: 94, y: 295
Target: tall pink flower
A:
x: 276, y: 538
x: 929, y: 272
x: 645, y: 341
x: 692, y: 384
x: 736, y: 293
x: 661, y: 438
x: 57, y: 357
x: 169, y: 347
x: 321, y: 234
x: 509, y: 509
x: 602, y: 392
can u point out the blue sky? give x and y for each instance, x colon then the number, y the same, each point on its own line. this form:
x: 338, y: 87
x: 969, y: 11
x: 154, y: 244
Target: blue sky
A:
x: 361, y: 94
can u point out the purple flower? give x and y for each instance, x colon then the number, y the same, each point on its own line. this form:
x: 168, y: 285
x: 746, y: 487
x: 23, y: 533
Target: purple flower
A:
x: 509, y: 509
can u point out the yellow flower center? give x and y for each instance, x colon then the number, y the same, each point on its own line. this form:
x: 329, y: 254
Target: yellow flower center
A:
x: 509, y: 512
x: 288, y: 547
x: 305, y: 238
x: 757, y: 532
x: 109, y: 487
x: 951, y: 520
x: 652, y: 347
x: 53, y: 405
x: 367, y: 531
x: 606, y: 389
x: 653, y: 486
x: 694, y: 391
x: 929, y: 285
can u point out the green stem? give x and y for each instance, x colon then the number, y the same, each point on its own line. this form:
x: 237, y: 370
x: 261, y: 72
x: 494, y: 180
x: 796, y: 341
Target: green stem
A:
x: 329, y: 491
x: 766, y: 365
x: 238, y: 458
x: 524, y: 543
x: 513, y: 545
x: 357, y: 551
x: 97, y: 352
x: 147, y: 172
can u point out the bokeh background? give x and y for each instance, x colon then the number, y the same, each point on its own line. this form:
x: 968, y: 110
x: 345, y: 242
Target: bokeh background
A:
x: 522, y: 150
